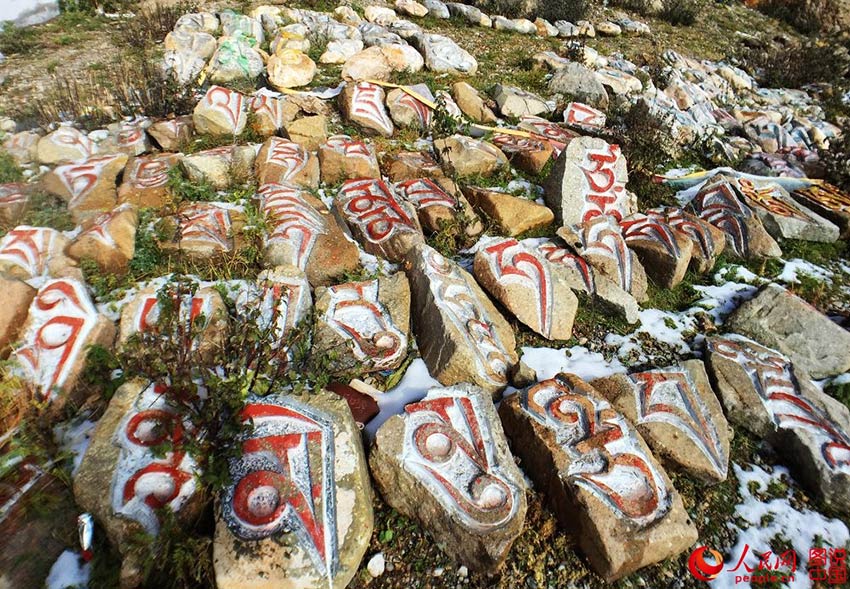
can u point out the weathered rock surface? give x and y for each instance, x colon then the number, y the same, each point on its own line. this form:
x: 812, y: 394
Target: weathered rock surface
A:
x: 34, y: 252
x: 407, y: 165
x: 441, y: 54
x: 344, y: 158
x: 829, y: 202
x: 464, y: 156
x: 362, y: 103
x: 221, y: 112
x: 17, y: 299
x: 598, y: 474
x: 271, y: 533
x: 663, y: 252
x: 281, y: 161
x: 65, y: 144
x: 461, y: 335
x: 513, y: 214
x: 514, y: 102
x: 439, y: 205
x: 579, y: 83
x: 407, y: 111
x: 202, y: 230
x: 88, y: 186
x: 145, y: 181
x: 445, y: 462
x: 290, y: 68
x: 707, y: 241
x: 109, y: 240
x: 787, y: 323
x: 220, y: 167
x: 472, y: 104
x: 235, y: 59
x: 14, y: 201
x: 172, y: 134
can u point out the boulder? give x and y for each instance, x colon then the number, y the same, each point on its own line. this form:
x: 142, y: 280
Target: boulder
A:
x: 411, y: 7
x: 587, y: 180
x: 65, y: 144
x: 407, y: 110
x: 267, y: 114
x: 221, y: 112
x: 290, y: 37
x: 124, y: 478
x: 338, y: 52
x: 545, y: 28
x: 464, y: 156
x: 343, y: 158
x: 205, y: 22
x: 439, y: 205
x: 526, y: 153
x: 527, y: 285
x: 384, y: 225
x: 461, y: 335
x: 707, y: 241
x: 408, y: 165
x: 220, y: 167
x: 183, y: 68
x: 109, y: 240
x: 472, y: 104
x: 663, y: 252
x: 23, y: 147
x: 566, y: 29
x: 513, y: 215
x: 14, y: 201
x: 677, y: 413
x: 789, y: 324
x: 347, y: 15
x: 290, y: 69
x: 514, y: 102
x: 88, y: 186
x: 234, y: 60
x: 584, y: 117
x: 368, y: 64
x: 146, y: 180
x: 202, y: 230
x: 61, y: 325
x: 172, y: 134
x: 600, y: 242
x: 362, y: 103
x: 281, y: 161
x: 380, y: 15
x: 762, y: 392
x: 437, y: 9
x: 18, y: 296
x: 829, y: 202
x: 363, y: 326
x: 599, y: 477
x: 199, y: 43
x: 271, y: 533
x: 36, y: 252
x: 579, y: 83
x: 308, y: 132
x: 441, y: 54
x: 608, y: 29
x: 445, y: 462
x: 303, y: 233
x: 243, y: 26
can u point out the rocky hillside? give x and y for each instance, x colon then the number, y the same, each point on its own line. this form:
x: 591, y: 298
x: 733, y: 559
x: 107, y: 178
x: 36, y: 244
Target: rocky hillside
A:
x: 514, y: 294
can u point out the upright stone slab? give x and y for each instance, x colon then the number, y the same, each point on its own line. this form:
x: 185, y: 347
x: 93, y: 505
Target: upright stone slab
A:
x: 600, y: 242
x: 439, y: 204
x: 789, y: 324
x: 707, y: 240
x: 61, y: 325
x: 528, y: 286
x: 33, y: 252
x: 762, y: 392
x: 829, y: 202
x: 581, y: 277
x: 461, y: 335
x: 600, y: 478
x: 782, y: 216
x: 678, y: 414
x: 718, y: 202
x: 363, y: 326
x: 298, y: 513
x: 109, y: 240
x: 221, y: 112
x: 89, y: 187
x: 445, y: 462
x: 663, y: 252
x: 384, y: 225
x: 588, y: 180
x: 303, y: 233
x: 145, y: 182
x: 281, y: 161
x: 407, y: 110
x: 343, y: 158
x: 362, y: 103
x: 124, y: 478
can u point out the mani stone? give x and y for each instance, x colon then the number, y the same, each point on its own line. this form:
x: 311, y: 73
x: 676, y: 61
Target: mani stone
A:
x: 408, y: 165
x: 677, y: 413
x: 513, y: 214
x: 362, y: 103
x: 172, y: 134
x: 464, y: 156
x: 461, y: 335
x: 281, y: 161
x: 301, y: 232
x: 123, y: 481
x: 599, y: 476
x: 829, y: 202
x: 407, y: 111
x: 537, y: 293
x: 221, y: 112
x: 17, y: 298
x: 109, y: 240
x: 784, y: 321
x: 363, y: 326
x: 88, y: 186
x: 664, y: 253
x: 146, y: 180
x: 65, y: 144
x: 14, y: 200
x: 35, y: 252
x: 526, y: 153
x: 445, y: 462
x: 298, y: 512
x: 587, y: 180
x: 343, y: 158
x: 202, y: 230
x: 762, y: 392
x: 707, y: 241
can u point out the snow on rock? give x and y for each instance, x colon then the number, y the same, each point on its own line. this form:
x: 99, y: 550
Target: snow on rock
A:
x: 67, y: 572
x: 548, y: 362
x: 412, y: 387
x: 796, y: 267
x: 73, y: 438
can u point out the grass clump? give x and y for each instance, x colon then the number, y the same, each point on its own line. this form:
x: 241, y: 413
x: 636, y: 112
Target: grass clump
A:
x: 680, y: 12
x: 807, y: 16
x: 15, y: 40
x: 9, y: 170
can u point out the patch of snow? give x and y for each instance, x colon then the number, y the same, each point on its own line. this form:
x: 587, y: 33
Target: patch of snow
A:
x: 67, y: 573
x: 523, y: 187
x: 412, y: 387
x: 801, y: 528
x: 74, y: 438
x: 793, y: 268
x: 548, y: 362
x: 719, y: 301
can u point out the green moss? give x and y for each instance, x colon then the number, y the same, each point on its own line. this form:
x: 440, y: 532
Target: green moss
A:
x: 47, y: 210
x: 9, y: 170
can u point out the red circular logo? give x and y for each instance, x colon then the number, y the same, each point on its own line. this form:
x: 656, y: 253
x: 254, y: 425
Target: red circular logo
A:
x: 701, y: 569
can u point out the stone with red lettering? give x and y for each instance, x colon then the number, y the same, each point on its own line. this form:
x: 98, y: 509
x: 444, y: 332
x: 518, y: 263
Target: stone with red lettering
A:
x: 130, y: 137
x: 440, y: 205
x: 461, y: 335
x: 301, y: 232
x: 23, y: 147
x: 61, y: 325
x: 407, y: 165
x: 88, y: 186
x: 65, y: 144
x: 445, y: 462
x: 598, y: 474
x: 588, y: 179
x: 678, y: 414
x: 524, y: 281
x: 202, y: 230
x: 513, y: 214
x: 281, y: 161
x: 14, y: 200
x: 362, y: 103
x: 172, y: 134
x: 407, y: 111
x: 273, y: 533
x: 17, y: 297
x: 384, y: 224
x: 146, y: 180
x: 123, y: 481
x: 526, y: 153
x: 308, y: 132
x: 221, y: 112
x: 36, y: 252
x: 464, y: 156
x: 663, y: 252
x: 707, y: 240
x: 268, y: 113
x: 220, y: 167
x: 363, y: 326
x: 344, y: 158
x: 109, y: 240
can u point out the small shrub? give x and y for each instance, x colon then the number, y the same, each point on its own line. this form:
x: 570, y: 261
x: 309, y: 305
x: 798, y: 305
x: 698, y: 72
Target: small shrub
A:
x: 9, y: 170
x: 571, y: 10
x: 142, y: 87
x: 84, y: 101
x: 807, y: 16
x: 152, y: 24
x: 680, y: 12
x: 809, y: 63
x: 17, y: 40
x: 93, y: 6
x: 836, y: 160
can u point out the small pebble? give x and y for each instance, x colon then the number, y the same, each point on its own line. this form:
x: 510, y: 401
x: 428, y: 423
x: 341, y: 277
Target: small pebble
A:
x: 376, y: 565
x: 462, y: 571
x: 438, y: 572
